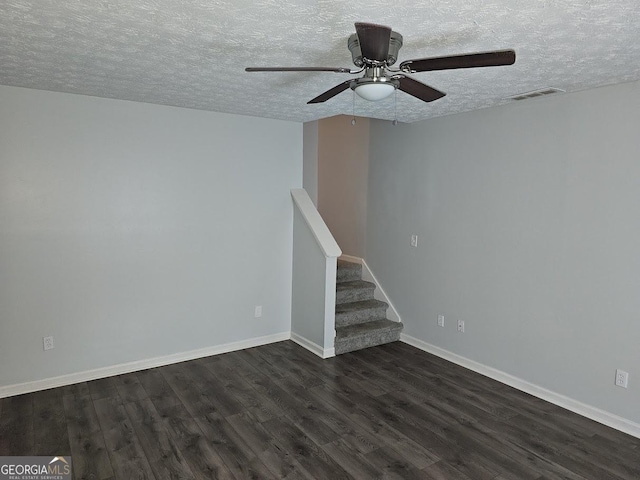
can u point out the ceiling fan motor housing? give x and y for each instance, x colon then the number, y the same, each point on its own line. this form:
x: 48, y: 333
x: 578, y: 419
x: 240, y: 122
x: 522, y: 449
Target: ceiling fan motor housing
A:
x: 375, y: 85
x: 395, y: 43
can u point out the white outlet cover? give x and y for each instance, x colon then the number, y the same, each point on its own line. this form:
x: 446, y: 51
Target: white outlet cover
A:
x: 441, y: 320
x: 47, y: 343
x: 461, y: 326
x: 622, y: 378
x: 414, y: 240
x: 258, y: 311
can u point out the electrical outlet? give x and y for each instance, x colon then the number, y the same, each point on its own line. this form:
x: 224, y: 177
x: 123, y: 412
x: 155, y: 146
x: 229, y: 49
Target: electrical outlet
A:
x: 414, y: 240
x: 461, y: 326
x: 258, y: 311
x: 441, y: 320
x: 47, y: 343
x: 622, y: 379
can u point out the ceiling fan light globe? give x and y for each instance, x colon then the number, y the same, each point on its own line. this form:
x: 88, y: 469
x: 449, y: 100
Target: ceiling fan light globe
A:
x: 375, y: 91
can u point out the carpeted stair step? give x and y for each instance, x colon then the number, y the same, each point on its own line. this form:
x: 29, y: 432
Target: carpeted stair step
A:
x: 359, y: 312
x: 348, y: 271
x: 361, y: 320
x: 354, y: 291
x: 369, y: 334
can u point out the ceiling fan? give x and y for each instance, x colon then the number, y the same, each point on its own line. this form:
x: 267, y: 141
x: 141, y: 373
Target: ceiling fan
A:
x: 374, y: 49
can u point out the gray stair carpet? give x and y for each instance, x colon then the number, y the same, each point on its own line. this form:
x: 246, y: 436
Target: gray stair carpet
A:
x: 361, y: 320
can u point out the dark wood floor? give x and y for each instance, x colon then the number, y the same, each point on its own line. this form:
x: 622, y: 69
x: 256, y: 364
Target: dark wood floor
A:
x: 278, y: 411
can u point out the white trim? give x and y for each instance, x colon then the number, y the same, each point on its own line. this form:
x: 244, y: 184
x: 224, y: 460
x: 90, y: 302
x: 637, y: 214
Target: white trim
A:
x: 596, y: 414
x: 313, y: 347
x: 47, y: 383
x: 315, y: 222
x: 329, y: 338
x: 378, y: 293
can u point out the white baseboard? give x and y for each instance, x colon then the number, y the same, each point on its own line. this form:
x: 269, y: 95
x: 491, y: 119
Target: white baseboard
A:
x: 45, y: 384
x: 313, y: 347
x: 593, y: 413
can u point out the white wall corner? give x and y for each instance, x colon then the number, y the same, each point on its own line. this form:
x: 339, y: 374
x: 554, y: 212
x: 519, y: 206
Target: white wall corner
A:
x: 588, y: 411
x: 331, y: 270
x: 313, y: 347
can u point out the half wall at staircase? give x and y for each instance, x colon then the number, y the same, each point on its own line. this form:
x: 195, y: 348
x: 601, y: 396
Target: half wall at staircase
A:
x: 315, y: 254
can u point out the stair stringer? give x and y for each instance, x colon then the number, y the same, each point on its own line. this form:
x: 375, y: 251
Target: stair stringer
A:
x: 378, y: 293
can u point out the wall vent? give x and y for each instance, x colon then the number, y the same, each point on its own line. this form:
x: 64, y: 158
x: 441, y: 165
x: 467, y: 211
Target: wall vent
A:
x: 536, y: 93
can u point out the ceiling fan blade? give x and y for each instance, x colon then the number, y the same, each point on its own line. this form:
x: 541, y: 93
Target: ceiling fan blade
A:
x: 419, y: 89
x: 331, y: 92
x: 297, y: 69
x: 374, y: 40
x: 471, y: 60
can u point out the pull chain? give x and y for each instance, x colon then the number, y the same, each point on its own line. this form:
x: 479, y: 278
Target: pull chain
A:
x: 353, y: 120
x: 395, y: 107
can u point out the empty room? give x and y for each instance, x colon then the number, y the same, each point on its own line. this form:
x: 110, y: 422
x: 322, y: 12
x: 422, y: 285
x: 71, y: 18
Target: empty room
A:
x: 319, y: 240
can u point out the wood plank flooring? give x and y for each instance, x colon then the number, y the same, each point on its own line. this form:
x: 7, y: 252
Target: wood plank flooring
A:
x: 278, y: 411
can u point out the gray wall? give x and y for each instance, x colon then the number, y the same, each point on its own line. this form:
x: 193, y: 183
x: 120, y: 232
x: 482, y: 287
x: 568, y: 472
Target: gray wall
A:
x: 343, y: 165
x: 310, y: 160
x: 130, y: 231
x: 528, y: 218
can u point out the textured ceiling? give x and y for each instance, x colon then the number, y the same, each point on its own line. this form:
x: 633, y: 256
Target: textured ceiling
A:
x: 193, y: 53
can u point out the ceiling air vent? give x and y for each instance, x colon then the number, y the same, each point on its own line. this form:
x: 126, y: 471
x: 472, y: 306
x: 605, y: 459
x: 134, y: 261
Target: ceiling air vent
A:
x: 536, y: 93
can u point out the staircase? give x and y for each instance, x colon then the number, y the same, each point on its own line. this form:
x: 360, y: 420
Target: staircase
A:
x: 361, y: 320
